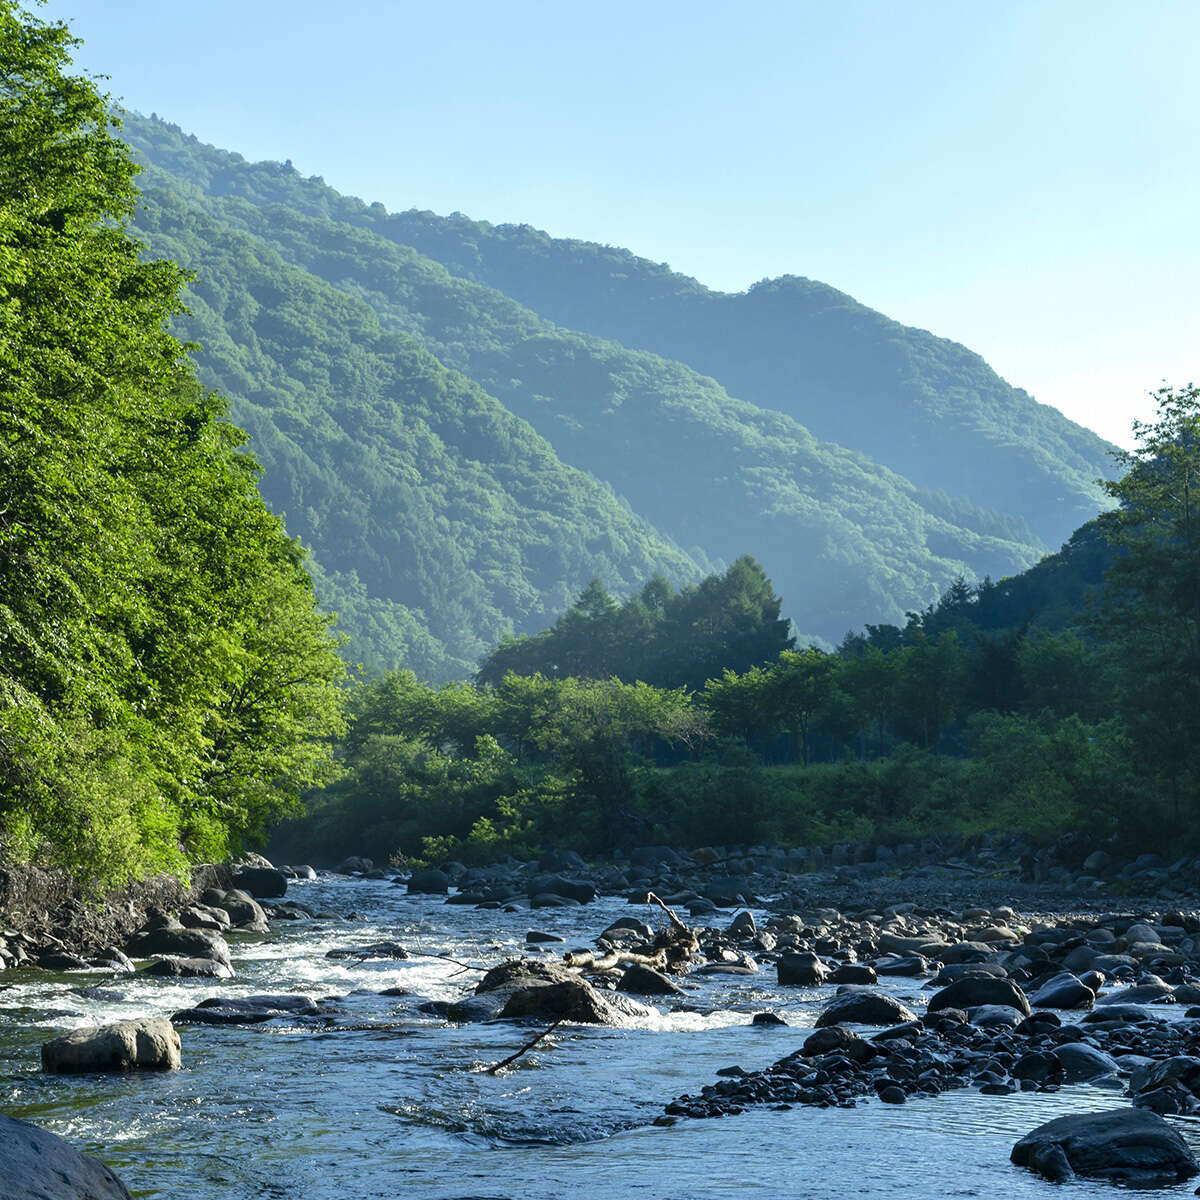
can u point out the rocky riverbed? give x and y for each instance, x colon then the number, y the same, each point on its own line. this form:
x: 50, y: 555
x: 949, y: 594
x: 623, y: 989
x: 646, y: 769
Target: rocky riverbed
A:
x: 337, y: 1035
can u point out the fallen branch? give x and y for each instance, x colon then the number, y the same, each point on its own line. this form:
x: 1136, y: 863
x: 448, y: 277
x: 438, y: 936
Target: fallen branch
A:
x: 676, y: 923
x: 529, y: 1045
x: 456, y: 962
x: 587, y: 960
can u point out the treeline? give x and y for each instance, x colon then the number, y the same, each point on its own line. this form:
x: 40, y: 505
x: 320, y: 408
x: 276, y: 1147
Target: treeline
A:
x: 168, y: 687
x: 988, y: 709
x: 659, y: 636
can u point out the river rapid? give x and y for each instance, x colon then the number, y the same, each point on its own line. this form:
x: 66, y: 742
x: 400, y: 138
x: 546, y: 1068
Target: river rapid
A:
x: 382, y: 1101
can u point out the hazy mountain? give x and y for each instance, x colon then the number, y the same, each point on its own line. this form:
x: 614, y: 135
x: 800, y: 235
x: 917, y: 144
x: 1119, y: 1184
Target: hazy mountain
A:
x: 845, y: 539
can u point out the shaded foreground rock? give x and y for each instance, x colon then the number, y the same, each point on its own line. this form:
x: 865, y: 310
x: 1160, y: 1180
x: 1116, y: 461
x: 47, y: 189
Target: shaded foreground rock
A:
x: 38, y: 1165
x: 148, y: 1045
x: 1126, y: 1145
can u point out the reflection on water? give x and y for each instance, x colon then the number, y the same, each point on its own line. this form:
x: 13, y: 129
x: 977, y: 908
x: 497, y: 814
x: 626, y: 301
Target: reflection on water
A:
x: 386, y: 1102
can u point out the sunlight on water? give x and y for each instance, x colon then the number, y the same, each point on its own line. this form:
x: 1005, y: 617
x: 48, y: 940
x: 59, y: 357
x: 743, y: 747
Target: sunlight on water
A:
x: 381, y: 1100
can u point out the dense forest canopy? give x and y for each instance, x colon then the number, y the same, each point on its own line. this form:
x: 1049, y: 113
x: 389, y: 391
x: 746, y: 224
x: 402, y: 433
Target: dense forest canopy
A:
x: 168, y: 687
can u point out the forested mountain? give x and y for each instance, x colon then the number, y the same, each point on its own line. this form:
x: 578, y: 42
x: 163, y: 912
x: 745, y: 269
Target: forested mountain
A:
x: 438, y: 520
x: 927, y: 407
x: 845, y: 539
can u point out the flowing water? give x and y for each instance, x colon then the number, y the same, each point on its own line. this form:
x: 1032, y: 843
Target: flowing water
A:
x: 385, y: 1102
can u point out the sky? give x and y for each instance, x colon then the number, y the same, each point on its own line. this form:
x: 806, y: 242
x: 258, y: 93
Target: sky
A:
x: 1021, y: 177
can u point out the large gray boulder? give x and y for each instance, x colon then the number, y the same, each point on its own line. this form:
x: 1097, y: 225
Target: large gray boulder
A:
x: 1081, y: 1062
x: 979, y: 990
x: 180, y: 943
x: 151, y: 1044
x: 1063, y: 991
x: 1125, y: 1145
x: 574, y: 1000
x: 263, y: 883
x: 864, y: 1008
x: 38, y: 1165
x: 804, y: 969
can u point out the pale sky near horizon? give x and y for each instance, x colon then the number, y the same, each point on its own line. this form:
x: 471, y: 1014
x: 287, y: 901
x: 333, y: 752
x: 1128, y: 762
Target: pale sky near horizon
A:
x: 1020, y: 177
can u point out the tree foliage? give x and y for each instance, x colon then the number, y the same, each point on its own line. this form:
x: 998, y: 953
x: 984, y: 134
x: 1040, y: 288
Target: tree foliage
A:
x: 167, y: 686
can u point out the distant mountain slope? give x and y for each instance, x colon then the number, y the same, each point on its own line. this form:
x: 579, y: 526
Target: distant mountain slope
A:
x: 843, y: 538
x: 438, y: 520
x: 927, y: 407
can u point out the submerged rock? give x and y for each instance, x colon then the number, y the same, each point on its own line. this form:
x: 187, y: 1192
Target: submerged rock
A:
x: 1128, y: 1146
x: 150, y: 1044
x: 38, y: 1165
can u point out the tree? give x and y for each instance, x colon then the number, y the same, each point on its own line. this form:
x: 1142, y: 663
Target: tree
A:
x: 1151, y: 609
x: 167, y: 685
x: 802, y: 688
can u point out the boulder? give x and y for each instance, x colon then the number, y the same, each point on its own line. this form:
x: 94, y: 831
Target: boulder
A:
x: 1127, y: 1145
x: 189, y: 968
x: 1171, y: 1085
x: 180, y: 943
x: 579, y: 890
x: 1082, y: 1062
x: 801, y: 970
x: 864, y: 1008
x: 429, y: 883
x: 245, y: 912
x: 574, y: 1000
x: 1142, y: 993
x: 263, y: 883
x: 844, y: 1041
x: 246, y: 1010
x: 645, y: 981
x: 354, y: 865
x: 743, y: 925
x: 38, y: 1165
x: 976, y: 990
x: 388, y: 950
x: 1063, y: 991
x: 147, y: 1045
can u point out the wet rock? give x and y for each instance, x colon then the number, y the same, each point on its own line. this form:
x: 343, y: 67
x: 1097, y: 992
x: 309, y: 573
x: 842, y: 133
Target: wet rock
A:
x: 430, y: 883
x: 975, y: 991
x: 552, y: 900
x: 263, y: 883
x: 574, y: 1000
x: 767, y: 1018
x: 838, y: 1039
x: 56, y: 961
x: 147, y: 1045
x: 1082, y: 1062
x: 387, y: 950
x: 743, y: 925
x: 1144, y: 993
x: 892, y: 1094
x: 645, y: 981
x: 38, y: 1165
x: 1127, y: 1146
x: 245, y: 912
x: 170, y: 967
x: 1169, y: 1086
x: 537, y: 937
x: 913, y: 964
x: 354, y: 865
x: 246, y: 1010
x: 579, y: 890
x: 994, y: 1016
x: 1065, y: 991
x: 181, y: 943
x: 864, y: 1008
x: 1038, y: 1067
x: 801, y: 970
x: 857, y: 973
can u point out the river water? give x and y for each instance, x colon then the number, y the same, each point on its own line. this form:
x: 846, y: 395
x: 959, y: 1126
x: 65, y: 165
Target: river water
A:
x: 384, y: 1102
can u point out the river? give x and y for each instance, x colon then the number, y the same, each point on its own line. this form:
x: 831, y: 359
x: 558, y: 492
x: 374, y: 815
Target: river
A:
x: 384, y: 1102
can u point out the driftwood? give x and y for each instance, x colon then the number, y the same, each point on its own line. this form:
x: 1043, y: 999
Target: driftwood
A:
x: 529, y: 1045
x: 588, y: 960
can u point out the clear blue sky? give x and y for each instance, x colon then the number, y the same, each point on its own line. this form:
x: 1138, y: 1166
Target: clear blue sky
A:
x: 1020, y: 176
